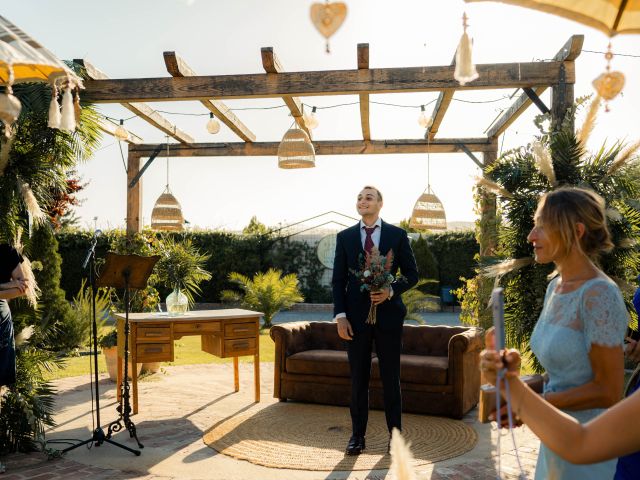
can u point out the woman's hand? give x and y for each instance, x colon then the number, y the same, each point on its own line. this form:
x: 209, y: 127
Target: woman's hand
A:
x: 491, y: 361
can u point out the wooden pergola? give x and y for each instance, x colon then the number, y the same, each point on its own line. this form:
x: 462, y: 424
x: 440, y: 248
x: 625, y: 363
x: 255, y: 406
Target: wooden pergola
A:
x: 533, y: 78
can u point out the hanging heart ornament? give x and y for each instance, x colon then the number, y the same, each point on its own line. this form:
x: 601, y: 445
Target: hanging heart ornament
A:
x: 328, y: 17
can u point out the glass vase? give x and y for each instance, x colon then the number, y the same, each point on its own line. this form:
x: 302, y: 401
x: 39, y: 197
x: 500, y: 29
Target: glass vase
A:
x: 177, y: 302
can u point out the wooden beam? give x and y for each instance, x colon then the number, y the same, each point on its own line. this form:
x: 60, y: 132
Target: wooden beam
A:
x: 140, y: 109
x: 177, y: 67
x: 363, y: 64
x: 332, y: 82
x: 568, y: 53
x: 134, y: 195
x: 272, y: 66
x: 444, y: 100
x: 110, y: 128
x: 335, y: 147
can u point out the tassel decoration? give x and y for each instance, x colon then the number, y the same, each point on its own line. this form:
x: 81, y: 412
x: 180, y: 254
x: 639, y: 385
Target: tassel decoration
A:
x: 68, y: 120
x: 77, y: 110
x: 10, y: 106
x: 465, y: 71
x: 54, y: 109
x: 5, y: 148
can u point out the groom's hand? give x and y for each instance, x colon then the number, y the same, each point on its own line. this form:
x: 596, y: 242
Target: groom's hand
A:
x: 380, y: 296
x: 344, y: 329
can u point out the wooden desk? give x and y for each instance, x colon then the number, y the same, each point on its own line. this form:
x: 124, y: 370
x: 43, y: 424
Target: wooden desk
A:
x: 224, y: 333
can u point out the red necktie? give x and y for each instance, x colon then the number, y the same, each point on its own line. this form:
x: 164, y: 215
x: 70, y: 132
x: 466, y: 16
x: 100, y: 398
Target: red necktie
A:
x: 368, y: 241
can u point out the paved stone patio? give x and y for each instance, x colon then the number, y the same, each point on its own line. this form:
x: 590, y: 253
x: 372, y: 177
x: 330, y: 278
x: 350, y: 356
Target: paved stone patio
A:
x: 180, y: 403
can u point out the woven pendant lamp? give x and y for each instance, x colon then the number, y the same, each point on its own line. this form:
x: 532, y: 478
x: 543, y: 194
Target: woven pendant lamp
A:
x: 167, y: 212
x: 428, y: 212
x: 296, y: 150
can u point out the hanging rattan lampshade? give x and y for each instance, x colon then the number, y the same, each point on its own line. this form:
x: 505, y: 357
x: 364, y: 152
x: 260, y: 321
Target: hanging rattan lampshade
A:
x: 428, y: 213
x: 167, y: 213
x: 296, y: 150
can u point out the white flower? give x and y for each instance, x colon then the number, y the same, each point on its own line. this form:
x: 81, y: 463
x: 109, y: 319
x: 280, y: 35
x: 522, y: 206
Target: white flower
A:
x: 366, y: 274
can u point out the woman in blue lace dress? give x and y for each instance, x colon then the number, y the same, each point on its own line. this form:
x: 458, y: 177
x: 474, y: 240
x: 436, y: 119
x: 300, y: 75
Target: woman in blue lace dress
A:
x: 579, y: 336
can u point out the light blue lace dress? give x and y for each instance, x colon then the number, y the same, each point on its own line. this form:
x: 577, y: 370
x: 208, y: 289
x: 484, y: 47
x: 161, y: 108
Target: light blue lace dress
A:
x: 568, y: 325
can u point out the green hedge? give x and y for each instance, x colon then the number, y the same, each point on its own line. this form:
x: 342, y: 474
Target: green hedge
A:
x: 453, y: 252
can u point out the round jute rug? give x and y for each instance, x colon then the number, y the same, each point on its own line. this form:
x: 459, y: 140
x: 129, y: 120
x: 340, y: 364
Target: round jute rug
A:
x: 313, y: 437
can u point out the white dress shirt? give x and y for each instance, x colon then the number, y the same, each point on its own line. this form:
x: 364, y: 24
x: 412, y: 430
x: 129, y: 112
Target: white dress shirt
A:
x: 375, y: 236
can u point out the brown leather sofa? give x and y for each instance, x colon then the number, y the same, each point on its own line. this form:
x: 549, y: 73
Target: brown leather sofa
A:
x: 439, y: 367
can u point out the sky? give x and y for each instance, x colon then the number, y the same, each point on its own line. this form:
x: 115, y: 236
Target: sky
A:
x: 126, y: 39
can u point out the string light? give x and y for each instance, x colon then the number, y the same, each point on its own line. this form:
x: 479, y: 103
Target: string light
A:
x: 424, y: 121
x: 311, y: 120
x: 121, y: 132
x: 213, y: 126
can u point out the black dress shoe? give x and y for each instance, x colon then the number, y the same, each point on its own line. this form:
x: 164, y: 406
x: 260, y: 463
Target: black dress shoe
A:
x: 355, y: 445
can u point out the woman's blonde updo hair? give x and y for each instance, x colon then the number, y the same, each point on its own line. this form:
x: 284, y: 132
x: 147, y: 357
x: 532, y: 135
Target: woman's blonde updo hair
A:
x: 561, y: 210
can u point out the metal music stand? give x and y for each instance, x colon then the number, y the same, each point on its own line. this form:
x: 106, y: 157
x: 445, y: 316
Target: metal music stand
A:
x: 129, y: 272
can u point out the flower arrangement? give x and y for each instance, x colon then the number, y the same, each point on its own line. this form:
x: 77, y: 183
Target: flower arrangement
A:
x: 375, y: 275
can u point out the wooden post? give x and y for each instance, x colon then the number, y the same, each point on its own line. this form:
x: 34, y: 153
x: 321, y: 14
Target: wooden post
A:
x: 134, y: 195
x: 562, y: 100
x: 488, y: 235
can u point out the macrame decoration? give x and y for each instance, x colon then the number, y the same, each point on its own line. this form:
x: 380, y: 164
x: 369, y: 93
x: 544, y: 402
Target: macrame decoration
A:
x: 296, y: 150
x: 428, y: 212
x: 167, y: 212
x: 609, y: 84
x: 465, y: 71
x: 327, y: 18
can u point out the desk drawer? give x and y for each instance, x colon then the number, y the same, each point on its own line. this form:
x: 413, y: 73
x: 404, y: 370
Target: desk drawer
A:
x: 196, y: 327
x: 239, y: 346
x: 153, y: 334
x: 153, y: 352
x: 233, y: 330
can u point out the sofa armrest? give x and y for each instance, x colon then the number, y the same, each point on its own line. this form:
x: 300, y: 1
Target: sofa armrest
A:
x: 464, y: 368
x: 289, y: 338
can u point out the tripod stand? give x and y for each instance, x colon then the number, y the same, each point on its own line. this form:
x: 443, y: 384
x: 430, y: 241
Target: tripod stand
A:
x: 119, y: 271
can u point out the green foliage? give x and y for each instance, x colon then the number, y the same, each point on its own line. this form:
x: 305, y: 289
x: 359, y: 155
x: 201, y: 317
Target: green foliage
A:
x: 455, y: 252
x: 41, y: 156
x: 55, y: 313
x: 27, y: 405
x: 517, y: 172
x: 427, y: 265
x: 181, y: 265
x: 255, y: 228
x: 267, y: 292
x: 80, y: 328
x: 109, y: 339
x: 405, y: 224
x: 416, y: 301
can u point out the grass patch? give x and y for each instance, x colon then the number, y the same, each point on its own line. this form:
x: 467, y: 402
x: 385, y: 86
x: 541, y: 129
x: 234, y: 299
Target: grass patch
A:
x: 187, y: 351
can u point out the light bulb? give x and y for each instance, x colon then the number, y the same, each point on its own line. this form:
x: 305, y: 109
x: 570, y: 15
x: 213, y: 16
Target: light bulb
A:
x: 423, y: 120
x: 311, y: 121
x: 121, y: 132
x: 213, y: 126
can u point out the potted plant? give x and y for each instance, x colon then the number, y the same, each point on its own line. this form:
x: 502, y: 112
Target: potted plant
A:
x: 109, y: 345
x: 181, y: 268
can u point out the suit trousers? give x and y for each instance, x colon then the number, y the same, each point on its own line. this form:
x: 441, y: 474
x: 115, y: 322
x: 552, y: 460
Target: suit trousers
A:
x: 388, y: 347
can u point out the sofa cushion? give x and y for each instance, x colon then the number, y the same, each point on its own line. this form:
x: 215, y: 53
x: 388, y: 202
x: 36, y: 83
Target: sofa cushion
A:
x: 333, y: 363
x: 419, y: 369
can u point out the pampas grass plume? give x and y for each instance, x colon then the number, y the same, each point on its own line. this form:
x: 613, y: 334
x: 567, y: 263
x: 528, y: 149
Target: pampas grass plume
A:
x: 624, y: 157
x: 589, y: 122
x: 543, y: 161
x: 401, y: 457
x: 493, y: 187
x: 502, y: 268
x: 31, y: 202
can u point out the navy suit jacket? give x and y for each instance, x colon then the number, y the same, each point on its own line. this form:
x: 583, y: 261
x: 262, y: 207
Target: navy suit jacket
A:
x: 347, y: 295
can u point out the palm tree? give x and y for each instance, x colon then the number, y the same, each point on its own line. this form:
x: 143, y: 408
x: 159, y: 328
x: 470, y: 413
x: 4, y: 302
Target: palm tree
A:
x: 416, y: 301
x: 267, y: 292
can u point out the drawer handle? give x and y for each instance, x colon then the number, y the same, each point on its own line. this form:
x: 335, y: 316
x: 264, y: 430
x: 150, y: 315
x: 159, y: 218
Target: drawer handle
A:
x: 153, y: 350
x: 240, y: 330
x: 238, y: 346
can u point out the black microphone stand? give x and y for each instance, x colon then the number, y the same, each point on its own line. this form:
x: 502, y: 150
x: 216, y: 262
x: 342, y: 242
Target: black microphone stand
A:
x: 98, y: 436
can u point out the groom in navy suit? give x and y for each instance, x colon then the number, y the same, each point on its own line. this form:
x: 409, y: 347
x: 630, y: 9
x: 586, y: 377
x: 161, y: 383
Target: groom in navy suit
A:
x: 351, y: 307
